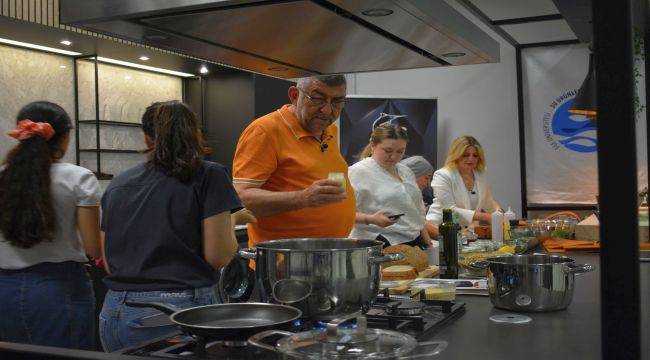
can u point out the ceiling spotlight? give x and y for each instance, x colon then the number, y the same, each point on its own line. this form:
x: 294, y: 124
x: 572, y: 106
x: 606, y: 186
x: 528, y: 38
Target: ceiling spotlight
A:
x: 144, y: 58
x: 278, y: 68
x: 62, y: 66
x: 203, y: 70
x: 377, y: 12
x: 453, y: 54
x: 66, y: 42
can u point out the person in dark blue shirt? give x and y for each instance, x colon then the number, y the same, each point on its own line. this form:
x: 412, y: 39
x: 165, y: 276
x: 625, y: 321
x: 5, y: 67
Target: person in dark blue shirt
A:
x: 167, y: 228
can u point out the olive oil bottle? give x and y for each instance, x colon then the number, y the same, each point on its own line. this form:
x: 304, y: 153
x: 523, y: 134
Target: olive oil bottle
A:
x: 448, y: 246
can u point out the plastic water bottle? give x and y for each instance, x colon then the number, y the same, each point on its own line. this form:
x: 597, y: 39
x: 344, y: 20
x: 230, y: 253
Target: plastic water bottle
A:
x: 497, y: 226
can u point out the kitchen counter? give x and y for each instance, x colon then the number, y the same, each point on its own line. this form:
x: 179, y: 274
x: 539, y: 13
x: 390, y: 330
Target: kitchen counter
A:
x: 570, y: 334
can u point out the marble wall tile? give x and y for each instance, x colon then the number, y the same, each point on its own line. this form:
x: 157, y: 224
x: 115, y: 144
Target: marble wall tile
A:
x: 26, y: 76
x: 111, y: 137
x: 124, y: 93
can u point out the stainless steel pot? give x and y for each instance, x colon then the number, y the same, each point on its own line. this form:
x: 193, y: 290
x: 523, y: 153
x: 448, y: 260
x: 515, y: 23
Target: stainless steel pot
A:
x: 531, y: 282
x: 344, y: 274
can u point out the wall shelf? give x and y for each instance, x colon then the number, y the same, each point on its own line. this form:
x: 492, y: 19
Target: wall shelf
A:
x: 110, y: 123
x: 114, y: 151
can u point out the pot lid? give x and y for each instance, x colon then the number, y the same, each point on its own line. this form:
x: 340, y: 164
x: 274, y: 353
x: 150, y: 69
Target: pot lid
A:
x: 337, y: 343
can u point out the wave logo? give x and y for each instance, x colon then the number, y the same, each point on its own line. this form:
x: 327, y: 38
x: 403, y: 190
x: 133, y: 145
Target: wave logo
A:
x: 570, y: 131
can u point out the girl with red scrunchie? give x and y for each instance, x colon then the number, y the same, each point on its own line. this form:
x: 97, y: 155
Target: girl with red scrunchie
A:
x: 49, y: 224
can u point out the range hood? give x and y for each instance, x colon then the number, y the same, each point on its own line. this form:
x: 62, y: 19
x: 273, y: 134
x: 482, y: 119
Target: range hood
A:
x: 290, y: 39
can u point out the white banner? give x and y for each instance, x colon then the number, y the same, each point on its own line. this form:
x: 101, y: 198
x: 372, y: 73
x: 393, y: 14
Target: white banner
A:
x: 561, y: 148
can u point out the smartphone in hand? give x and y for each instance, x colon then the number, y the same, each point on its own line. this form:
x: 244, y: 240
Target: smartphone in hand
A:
x: 394, y: 217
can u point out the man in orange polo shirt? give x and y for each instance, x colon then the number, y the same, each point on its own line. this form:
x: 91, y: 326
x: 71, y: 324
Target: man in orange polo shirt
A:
x: 282, y: 163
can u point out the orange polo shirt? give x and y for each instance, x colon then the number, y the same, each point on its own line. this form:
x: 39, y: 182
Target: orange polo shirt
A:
x: 276, y: 153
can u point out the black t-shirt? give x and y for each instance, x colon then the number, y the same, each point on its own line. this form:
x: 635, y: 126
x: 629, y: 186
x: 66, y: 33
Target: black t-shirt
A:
x: 152, y: 223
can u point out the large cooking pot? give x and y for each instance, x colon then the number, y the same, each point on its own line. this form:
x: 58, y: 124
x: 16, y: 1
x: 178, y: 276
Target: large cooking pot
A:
x: 531, y: 282
x: 329, y: 278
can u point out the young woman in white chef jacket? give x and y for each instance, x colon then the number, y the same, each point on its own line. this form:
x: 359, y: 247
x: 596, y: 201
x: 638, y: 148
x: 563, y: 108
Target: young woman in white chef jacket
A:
x: 385, y: 187
x: 461, y: 185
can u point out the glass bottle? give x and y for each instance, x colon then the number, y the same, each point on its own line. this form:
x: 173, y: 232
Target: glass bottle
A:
x: 448, y: 246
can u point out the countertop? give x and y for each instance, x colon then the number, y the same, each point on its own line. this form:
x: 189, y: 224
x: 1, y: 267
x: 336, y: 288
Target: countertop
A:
x: 570, y: 334
x: 573, y: 333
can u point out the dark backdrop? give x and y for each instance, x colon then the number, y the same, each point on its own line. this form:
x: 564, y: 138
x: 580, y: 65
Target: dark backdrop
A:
x: 359, y: 114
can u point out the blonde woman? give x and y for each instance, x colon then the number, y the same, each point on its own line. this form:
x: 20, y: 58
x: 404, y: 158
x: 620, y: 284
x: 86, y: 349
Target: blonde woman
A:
x: 384, y: 187
x: 461, y: 185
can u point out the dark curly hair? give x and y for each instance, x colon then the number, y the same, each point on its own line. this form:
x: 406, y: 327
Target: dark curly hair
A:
x: 26, y: 212
x: 177, y: 150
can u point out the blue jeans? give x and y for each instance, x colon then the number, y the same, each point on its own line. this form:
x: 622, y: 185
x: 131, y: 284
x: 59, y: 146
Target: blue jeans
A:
x: 123, y: 326
x: 48, y: 304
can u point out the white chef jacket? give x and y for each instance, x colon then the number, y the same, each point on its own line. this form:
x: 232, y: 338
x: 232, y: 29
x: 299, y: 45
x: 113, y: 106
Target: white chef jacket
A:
x: 376, y: 189
x: 449, y: 192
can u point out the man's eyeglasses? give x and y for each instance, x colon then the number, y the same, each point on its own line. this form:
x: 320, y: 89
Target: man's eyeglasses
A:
x: 320, y: 102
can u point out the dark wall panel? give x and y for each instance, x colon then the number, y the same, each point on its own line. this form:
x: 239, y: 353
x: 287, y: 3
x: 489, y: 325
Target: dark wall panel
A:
x: 229, y: 108
x: 270, y: 94
x: 192, y: 95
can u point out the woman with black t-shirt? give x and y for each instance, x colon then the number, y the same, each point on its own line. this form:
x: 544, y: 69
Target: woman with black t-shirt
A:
x: 167, y: 228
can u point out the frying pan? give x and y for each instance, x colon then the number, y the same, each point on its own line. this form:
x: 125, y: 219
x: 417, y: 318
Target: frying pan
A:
x: 227, y: 322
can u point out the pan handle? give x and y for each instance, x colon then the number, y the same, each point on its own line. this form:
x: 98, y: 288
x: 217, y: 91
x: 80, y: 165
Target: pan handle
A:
x: 256, y: 340
x: 378, y: 259
x: 248, y: 253
x: 168, y: 309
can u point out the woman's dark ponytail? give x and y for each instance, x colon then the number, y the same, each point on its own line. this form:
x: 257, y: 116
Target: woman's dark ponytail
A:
x: 174, y: 129
x: 26, y: 211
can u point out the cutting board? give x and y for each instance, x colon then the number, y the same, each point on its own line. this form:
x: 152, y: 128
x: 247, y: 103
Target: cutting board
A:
x: 403, y: 286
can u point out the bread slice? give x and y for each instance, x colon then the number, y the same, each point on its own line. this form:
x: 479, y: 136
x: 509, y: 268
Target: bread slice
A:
x: 399, y: 272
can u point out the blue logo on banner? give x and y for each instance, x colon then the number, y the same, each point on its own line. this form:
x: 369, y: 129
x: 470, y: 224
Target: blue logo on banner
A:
x: 578, y: 132
x: 571, y: 131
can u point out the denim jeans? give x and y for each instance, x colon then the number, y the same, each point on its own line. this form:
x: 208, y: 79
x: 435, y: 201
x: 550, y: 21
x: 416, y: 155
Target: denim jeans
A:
x: 123, y: 326
x: 48, y: 304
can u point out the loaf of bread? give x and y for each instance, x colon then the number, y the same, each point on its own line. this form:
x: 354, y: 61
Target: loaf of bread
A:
x: 398, y: 272
x: 413, y: 256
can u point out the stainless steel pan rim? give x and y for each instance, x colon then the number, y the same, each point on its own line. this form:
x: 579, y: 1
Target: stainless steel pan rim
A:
x: 174, y: 317
x: 361, y: 243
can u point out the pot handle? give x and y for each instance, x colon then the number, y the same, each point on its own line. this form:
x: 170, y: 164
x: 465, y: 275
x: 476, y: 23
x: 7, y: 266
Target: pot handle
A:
x: 168, y: 309
x: 571, y: 268
x: 248, y: 253
x: 478, y: 265
x: 256, y: 340
x: 378, y: 259
x: 441, y: 345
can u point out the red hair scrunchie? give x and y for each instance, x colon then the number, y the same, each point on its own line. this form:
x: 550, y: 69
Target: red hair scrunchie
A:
x: 26, y: 129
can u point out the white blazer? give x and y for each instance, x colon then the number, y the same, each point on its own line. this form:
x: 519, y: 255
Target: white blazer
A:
x: 450, y: 192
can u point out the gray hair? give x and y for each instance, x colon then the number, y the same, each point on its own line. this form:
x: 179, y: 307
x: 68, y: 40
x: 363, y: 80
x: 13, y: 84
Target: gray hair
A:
x: 419, y: 165
x: 329, y: 80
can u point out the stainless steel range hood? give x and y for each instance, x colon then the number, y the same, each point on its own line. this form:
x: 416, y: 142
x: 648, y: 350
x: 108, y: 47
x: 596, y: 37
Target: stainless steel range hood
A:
x: 291, y: 39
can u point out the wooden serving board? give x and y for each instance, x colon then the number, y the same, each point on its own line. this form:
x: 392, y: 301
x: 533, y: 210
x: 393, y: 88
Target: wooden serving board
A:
x: 403, y: 287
